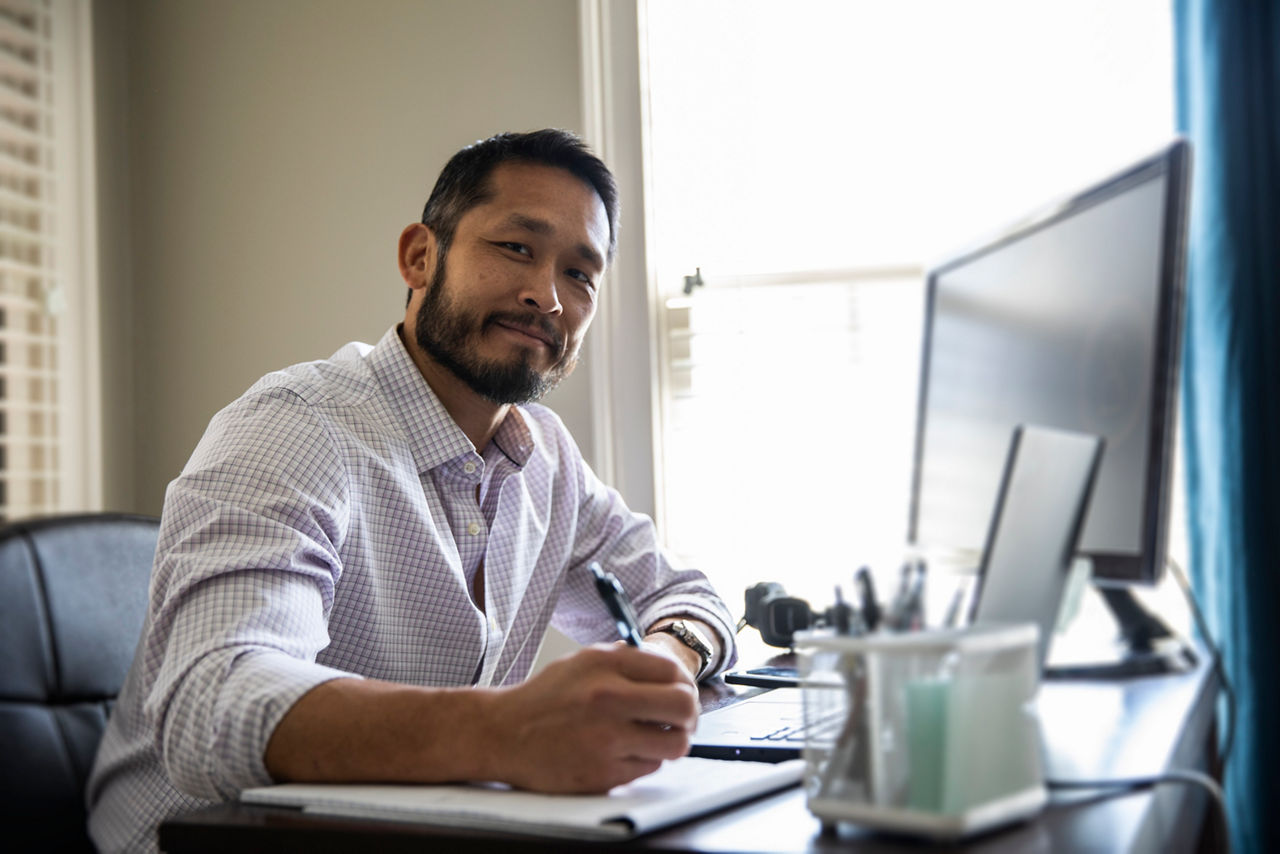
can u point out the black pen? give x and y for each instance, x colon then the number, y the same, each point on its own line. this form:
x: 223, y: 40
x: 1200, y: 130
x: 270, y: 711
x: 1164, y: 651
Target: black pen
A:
x: 615, y: 599
x: 867, y: 592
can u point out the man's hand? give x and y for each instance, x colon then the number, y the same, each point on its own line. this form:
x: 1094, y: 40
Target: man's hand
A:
x: 593, y: 720
x: 588, y: 722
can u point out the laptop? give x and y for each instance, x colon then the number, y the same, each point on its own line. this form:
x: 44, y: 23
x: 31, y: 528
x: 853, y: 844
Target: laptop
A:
x: 1040, y: 508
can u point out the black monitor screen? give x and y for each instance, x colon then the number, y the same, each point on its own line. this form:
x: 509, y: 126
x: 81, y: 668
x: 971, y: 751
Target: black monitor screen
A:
x: 1071, y: 320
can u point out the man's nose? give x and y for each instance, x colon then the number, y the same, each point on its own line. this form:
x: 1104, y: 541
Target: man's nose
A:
x: 539, y: 292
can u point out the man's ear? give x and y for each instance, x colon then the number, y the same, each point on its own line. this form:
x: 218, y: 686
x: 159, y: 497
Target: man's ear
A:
x: 417, y: 255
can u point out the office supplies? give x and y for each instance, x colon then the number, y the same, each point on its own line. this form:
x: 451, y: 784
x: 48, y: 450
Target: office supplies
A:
x: 841, y: 614
x: 615, y: 599
x: 906, y: 610
x: 867, y: 598
x: 680, y: 789
x: 926, y: 733
x: 1046, y: 483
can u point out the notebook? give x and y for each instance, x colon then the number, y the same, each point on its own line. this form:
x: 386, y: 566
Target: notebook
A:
x: 1044, y: 494
x: 679, y: 790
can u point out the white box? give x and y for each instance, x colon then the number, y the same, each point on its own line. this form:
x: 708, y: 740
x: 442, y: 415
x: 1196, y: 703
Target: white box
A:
x: 927, y: 733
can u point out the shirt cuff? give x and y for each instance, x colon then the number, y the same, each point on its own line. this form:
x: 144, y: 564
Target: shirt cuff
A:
x: 727, y: 654
x: 260, y: 691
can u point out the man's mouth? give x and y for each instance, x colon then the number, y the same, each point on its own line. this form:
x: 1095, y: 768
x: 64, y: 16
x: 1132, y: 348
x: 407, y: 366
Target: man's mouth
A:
x: 534, y: 331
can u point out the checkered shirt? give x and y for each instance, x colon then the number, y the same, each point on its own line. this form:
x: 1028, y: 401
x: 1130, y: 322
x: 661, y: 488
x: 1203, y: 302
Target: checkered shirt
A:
x: 329, y: 524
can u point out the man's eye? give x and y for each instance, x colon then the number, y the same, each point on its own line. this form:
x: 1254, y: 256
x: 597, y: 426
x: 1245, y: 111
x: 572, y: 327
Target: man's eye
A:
x: 581, y: 277
x: 515, y: 247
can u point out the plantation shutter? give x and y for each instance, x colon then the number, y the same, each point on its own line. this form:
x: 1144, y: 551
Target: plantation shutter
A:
x: 29, y: 276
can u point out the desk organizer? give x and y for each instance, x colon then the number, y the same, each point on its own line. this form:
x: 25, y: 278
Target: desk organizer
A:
x: 925, y: 733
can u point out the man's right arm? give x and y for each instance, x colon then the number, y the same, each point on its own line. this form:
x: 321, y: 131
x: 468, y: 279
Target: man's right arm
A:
x: 245, y: 579
x: 588, y: 722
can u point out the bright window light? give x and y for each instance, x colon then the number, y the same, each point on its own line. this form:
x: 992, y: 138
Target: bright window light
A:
x: 812, y: 158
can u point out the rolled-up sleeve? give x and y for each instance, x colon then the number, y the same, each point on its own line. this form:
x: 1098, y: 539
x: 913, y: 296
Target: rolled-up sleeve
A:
x: 246, y: 569
x: 626, y: 543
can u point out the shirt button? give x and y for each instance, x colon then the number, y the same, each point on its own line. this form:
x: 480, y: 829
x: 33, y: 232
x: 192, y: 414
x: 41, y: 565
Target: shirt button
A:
x: 470, y: 468
x: 473, y: 528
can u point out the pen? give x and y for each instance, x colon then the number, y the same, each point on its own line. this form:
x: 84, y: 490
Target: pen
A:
x: 867, y: 592
x: 615, y: 599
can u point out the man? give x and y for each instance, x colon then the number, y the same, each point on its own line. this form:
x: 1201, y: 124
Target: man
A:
x: 360, y: 559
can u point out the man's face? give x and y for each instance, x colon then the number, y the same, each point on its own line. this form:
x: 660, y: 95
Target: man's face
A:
x: 506, y: 309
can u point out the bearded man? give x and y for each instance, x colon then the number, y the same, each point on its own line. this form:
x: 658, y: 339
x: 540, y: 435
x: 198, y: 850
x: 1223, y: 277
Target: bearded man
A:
x: 358, y: 563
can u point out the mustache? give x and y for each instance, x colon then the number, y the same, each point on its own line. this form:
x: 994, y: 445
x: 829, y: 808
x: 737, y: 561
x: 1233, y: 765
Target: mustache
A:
x: 541, y: 326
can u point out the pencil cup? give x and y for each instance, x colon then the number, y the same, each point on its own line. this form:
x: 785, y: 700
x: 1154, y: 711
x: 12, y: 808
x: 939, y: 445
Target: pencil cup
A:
x: 924, y: 733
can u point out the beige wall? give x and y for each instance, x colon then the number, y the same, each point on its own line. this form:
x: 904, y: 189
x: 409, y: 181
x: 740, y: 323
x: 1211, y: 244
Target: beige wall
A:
x: 257, y: 160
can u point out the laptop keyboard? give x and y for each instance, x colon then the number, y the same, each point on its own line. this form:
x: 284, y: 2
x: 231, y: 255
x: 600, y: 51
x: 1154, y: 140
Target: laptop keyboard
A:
x: 797, y: 732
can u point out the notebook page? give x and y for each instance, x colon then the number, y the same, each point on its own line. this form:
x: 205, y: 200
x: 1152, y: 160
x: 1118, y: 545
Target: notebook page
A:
x: 680, y: 789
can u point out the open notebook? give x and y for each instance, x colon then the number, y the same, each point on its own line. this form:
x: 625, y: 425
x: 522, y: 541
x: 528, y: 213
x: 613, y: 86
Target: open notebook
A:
x: 679, y: 790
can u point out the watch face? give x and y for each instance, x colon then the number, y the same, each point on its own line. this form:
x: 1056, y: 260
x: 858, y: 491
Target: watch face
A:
x: 693, y: 639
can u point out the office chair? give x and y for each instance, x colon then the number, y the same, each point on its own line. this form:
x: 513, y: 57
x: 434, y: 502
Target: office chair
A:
x: 73, y: 596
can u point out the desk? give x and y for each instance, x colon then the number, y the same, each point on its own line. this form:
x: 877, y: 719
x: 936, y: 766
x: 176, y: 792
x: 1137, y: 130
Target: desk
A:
x: 1091, y: 729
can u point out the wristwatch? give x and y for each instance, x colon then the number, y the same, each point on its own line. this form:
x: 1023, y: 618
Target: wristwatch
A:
x: 693, y: 638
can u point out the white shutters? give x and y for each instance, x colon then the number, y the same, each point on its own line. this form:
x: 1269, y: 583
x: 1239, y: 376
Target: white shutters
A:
x: 789, y: 420
x: 35, y: 262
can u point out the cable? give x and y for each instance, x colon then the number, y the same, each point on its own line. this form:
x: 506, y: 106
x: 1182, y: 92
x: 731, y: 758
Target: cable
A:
x: 1121, y: 786
x: 1229, y: 739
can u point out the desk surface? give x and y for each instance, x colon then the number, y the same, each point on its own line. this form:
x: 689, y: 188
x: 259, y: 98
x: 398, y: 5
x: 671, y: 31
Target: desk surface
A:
x: 1093, y: 730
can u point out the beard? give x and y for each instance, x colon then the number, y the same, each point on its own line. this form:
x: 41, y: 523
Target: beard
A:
x: 449, y: 334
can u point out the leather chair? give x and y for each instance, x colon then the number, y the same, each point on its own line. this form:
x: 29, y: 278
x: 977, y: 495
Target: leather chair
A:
x: 73, y: 596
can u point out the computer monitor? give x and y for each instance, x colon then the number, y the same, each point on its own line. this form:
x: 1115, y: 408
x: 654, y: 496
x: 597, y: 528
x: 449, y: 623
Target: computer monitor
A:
x: 1071, y: 319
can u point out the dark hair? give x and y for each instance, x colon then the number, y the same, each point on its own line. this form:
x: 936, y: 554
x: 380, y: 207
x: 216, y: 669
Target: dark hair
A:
x: 464, y: 181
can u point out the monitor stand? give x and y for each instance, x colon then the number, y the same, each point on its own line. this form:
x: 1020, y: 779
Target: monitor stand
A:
x: 1145, y: 646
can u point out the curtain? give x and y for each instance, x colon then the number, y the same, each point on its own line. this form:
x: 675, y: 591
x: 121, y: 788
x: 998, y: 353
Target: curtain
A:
x: 1228, y: 79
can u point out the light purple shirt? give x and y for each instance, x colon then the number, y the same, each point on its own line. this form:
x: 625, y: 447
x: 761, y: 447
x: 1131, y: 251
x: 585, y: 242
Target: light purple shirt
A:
x: 329, y: 524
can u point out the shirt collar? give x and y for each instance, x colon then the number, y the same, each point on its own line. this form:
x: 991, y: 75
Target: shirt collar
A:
x: 433, y: 436
x: 514, y: 438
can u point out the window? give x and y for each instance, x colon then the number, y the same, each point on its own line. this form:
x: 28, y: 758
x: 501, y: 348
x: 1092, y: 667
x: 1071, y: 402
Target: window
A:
x: 807, y: 161
x: 45, y: 410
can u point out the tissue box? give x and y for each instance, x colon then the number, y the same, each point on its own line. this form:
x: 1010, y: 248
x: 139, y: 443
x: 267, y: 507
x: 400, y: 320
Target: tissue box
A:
x: 926, y: 733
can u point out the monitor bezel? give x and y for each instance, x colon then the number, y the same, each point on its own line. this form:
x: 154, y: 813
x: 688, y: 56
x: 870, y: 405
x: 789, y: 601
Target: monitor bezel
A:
x: 1174, y: 162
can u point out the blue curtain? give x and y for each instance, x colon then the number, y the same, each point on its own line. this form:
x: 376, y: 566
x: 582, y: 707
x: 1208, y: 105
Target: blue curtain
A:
x: 1228, y: 78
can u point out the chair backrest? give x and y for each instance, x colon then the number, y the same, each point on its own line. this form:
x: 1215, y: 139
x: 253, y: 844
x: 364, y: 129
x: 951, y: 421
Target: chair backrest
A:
x: 73, y: 597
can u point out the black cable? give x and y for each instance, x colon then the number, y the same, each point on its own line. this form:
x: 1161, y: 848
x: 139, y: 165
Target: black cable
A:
x: 1122, y: 786
x: 1228, y: 740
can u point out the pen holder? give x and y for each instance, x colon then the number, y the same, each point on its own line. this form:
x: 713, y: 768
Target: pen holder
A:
x: 925, y: 733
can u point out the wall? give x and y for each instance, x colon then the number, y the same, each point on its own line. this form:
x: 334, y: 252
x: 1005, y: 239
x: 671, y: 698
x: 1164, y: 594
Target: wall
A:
x: 258, y: 161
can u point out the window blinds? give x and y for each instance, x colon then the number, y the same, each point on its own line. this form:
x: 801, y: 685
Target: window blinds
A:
x: 789, y: 416
x: 29, y: 428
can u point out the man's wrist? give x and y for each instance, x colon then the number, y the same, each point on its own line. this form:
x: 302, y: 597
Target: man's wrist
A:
x: 691, y: 640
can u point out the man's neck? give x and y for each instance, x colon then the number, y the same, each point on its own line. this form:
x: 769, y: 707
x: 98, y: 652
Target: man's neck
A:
x: 478, y: 417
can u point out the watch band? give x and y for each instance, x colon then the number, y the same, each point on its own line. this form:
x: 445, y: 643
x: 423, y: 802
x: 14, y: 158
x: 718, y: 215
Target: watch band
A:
x: 692, y: 638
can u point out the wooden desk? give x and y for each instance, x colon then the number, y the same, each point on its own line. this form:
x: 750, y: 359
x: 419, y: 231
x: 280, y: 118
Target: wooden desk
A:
x: 1091, y: 730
